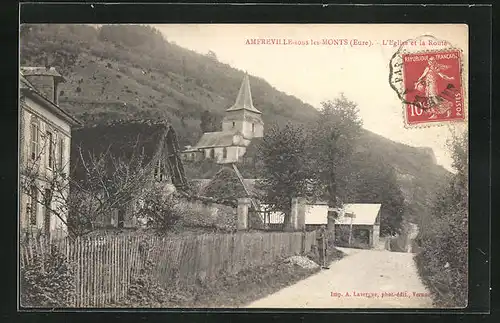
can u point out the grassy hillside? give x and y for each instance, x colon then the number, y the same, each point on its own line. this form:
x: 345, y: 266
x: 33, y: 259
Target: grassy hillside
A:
x: 120, y: 72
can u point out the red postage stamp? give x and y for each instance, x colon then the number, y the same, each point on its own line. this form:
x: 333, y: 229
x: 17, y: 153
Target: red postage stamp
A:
x: 433, y: 87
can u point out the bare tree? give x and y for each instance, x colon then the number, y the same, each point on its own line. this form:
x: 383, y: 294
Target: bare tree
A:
x: 103, y: 184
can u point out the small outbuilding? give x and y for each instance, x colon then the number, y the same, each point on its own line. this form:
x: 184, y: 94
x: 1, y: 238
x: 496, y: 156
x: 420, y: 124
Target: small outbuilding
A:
x: 359, y: 225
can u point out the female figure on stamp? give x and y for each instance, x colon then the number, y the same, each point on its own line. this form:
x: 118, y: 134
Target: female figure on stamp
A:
x: 428, y: 82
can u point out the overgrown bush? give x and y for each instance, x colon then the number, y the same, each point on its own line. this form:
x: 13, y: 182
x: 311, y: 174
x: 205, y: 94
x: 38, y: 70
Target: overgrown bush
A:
x: 198, y: 214
x: 442, y: 261
x: 144, y: 291
x: 47, y: 280
x: 159, y: 209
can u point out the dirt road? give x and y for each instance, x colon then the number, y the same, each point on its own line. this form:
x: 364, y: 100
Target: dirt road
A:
x: 362, y: 279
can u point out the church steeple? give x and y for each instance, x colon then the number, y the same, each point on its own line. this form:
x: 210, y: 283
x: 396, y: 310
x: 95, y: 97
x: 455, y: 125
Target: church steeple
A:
x: 244, y: 98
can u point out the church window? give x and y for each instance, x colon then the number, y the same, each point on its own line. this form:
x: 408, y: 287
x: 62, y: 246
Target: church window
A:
x: 224, y: 153
x: 253, y: 127
x: 234, y: 124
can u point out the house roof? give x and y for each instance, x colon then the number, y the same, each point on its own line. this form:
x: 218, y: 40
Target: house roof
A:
x: 215, y: 139
x: 125, y: 140
x: 244, y: 98
x: 38, y: 71
x: 120, y: 138
x: 365, y: 214
x: 226, y: 177
x: 28, y: 89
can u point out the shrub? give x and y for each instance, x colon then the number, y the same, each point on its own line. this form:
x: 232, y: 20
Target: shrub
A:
x: 47, y: 280
x: 442, y: 261
x: 159, y: 209
x: 143, y: 290
x: 199, y: 214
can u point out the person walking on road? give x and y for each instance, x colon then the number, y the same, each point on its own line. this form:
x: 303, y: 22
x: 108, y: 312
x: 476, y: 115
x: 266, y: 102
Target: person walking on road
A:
x: 322, y: 246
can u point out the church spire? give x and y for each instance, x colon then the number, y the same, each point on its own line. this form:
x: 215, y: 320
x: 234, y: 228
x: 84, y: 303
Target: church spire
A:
x: 244, y: 99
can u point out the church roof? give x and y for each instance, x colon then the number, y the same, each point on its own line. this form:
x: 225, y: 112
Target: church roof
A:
x: 215, y: 139
x: 244, y: 99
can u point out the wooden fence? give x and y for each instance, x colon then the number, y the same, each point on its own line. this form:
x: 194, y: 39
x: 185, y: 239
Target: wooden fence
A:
x: 105, y: 265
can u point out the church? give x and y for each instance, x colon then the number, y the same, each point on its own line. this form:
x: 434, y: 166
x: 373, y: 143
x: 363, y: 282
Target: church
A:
x: 242, y: 123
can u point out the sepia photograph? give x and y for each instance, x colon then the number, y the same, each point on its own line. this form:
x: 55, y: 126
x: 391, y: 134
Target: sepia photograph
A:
x: 256, y: 166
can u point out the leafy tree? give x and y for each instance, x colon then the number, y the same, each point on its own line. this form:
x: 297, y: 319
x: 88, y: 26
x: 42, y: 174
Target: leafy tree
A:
x: 373, y: 181
x: 211, y: 54
x: 443, y: 260
x: 209, y: 122
x: 286, y: 166
x: 333, y: 138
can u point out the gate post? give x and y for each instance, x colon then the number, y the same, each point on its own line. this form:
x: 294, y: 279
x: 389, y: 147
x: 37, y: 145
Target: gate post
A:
x: 242, y: 213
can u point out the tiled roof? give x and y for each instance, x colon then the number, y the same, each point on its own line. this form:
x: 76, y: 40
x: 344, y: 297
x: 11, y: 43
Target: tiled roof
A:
x: 121, y: 140
x: 27, y: 71
x: 244, y: 98
x: 365, y: 214
x: 120, y: 137
x: 215, y: 139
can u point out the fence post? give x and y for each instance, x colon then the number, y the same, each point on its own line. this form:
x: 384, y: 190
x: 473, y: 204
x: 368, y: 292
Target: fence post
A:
x: 242, y: 220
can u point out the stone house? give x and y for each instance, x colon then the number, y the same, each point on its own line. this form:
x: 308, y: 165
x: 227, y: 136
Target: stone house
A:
x: 242, y: 122
x: 44, y: 152
x: 123, y: 140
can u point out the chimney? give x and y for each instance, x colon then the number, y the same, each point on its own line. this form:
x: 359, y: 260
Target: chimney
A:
x: 46, y: 80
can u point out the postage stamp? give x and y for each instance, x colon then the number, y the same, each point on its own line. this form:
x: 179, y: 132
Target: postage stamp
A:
x: 433, y: 87
x: 428, y: 77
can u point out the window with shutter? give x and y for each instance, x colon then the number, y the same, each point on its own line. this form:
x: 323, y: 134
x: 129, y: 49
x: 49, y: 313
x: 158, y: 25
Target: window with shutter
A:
x: 61, y: 152
x: 35, y: 138
x: 51, y: 150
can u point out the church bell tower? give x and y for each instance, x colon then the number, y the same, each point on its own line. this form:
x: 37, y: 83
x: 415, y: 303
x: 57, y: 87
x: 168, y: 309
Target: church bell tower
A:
x: 242, y: 116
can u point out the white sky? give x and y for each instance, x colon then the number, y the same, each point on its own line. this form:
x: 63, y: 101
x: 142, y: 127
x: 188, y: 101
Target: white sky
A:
x: 318, y: 73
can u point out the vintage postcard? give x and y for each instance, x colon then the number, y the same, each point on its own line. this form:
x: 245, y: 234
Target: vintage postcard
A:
x: 243, y: 166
